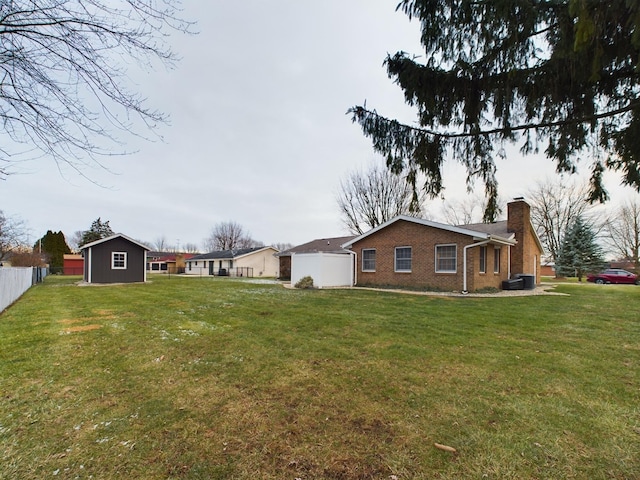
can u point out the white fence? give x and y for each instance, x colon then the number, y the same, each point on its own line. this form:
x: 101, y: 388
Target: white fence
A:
x: 14, y: 281
x: 326, y: 269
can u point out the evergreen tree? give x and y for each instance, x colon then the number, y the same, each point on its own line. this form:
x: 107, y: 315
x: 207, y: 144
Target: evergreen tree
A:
x: 579, y: 254
x: 98, y: 231
x: 54, y: 245
x: 561, y: 76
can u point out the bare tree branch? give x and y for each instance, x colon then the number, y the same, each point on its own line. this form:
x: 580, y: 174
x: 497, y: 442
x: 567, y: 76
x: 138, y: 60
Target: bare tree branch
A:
x: 369, y: 198
x: 13, y: 235
x: 555, y: 206
x: 229, y: 236
x: 623, y: 232
x: 63, y: 83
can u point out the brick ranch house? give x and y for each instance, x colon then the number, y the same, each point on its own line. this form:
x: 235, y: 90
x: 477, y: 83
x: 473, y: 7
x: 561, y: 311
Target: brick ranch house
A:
x: 417, y: 253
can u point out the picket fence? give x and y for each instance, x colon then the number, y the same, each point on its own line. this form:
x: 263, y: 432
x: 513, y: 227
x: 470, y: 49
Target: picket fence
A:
x: 14, y: 281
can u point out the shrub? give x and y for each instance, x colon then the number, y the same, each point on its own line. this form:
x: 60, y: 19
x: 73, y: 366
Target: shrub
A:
x: 305, y: 282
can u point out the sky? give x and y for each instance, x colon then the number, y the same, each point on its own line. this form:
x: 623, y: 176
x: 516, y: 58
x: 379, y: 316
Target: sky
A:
x: 258, y: 131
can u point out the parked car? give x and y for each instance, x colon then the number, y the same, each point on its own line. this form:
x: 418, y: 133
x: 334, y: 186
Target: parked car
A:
x: 614, y: 275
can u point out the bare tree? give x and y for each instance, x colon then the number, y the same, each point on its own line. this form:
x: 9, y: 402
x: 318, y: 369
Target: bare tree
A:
x: 282, y: 246
x: 13, y: 235
x: 555, y: 206
x: 229, y: 236
x: 623, y: 231
x: 26, y: 258
x: 190, y: 248
x: 369, y: 198
x: 63, y: 84
x: 161, y: 243
x: 466, y: 211
x: 75, y: 241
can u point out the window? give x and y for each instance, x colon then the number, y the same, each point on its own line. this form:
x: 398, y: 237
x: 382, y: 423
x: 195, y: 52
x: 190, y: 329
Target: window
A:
x: 155, y: 266
x: 496, y: 260
x: 446, y: 258
x: 189, y: 266
x: 369, y: 260
x: 403, y: 259
x: 483, y: 260
x: 118, y: 260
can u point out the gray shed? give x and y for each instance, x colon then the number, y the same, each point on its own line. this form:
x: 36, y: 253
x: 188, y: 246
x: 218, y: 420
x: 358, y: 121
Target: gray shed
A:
x: 115, y: 259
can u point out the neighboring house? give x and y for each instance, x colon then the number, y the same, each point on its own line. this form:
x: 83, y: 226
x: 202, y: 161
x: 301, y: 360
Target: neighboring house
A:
x: 320, y: 245
x: 246, y: 262
x: 72, y: 264
x: 417, y: 253
x: 115, y: 259
x: 548, y: 270
x: 623, y: 264
x: 165, y: 262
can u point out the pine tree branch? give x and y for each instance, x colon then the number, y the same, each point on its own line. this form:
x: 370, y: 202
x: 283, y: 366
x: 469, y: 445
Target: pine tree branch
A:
x: 360, y: 113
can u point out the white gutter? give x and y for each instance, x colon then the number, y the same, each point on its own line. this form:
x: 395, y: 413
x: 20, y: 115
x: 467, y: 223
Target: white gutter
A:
x: 464, y: 262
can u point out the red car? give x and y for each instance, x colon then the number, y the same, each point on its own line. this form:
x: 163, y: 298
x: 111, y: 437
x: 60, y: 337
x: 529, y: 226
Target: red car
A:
x: 614, y: 275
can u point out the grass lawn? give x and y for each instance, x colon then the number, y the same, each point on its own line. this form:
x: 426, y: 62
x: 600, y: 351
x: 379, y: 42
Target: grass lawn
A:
x: 203, y: 378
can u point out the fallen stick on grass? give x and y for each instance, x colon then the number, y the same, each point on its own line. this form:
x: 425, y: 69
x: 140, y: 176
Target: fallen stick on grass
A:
x: 446, y: 448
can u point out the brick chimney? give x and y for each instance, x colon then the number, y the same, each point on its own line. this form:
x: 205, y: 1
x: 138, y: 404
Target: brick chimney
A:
x: 523, y: 254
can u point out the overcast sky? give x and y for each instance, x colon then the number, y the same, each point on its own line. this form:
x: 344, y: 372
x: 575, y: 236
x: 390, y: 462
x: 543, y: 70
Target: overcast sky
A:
x: 258, y: 135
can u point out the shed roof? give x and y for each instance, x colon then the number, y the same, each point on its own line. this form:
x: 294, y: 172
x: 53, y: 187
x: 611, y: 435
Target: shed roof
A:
x: 113, y: 237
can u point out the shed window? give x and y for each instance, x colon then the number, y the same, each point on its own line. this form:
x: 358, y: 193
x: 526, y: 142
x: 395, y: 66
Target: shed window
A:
x: 446, y: 258
x: 403, y: 259
x: 118, y: 260
x: 369, y: 260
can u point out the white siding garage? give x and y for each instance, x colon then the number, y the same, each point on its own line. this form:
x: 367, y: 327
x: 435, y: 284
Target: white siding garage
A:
x: 326, y: 269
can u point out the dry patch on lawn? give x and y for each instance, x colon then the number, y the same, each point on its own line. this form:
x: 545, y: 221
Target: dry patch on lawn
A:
x: 72, y: 328
x: 101, y: 315
x: 82, y: 328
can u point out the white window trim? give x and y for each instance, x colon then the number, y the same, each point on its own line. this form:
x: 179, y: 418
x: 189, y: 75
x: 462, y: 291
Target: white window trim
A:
x: 455, y: 270
x: 374, y: 259
x: 499, y: 256
x: 113, y: 260
x: 395, y: 259
x: 481, y: 249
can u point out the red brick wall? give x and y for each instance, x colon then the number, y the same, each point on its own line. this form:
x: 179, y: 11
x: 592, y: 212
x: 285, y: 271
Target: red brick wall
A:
x: 489, y: 279
x: 423, y: 240
x: 525, y: 256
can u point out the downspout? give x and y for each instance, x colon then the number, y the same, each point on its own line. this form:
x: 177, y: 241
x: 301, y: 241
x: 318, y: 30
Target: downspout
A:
x: 464, y: 263
x: 354, y: 269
